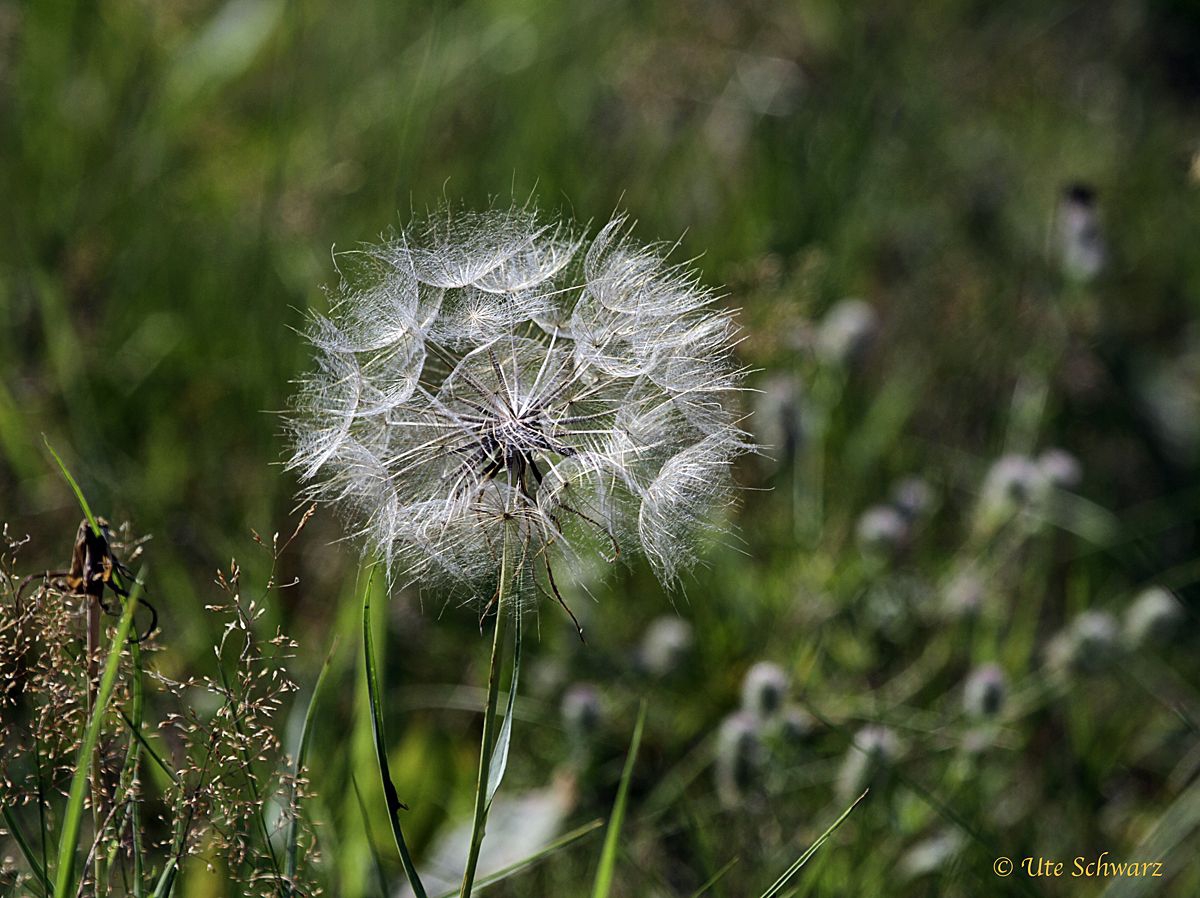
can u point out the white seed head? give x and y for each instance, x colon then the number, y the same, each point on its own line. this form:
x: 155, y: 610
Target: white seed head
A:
x: 764, y: 689
x: 487, y: 381
x: 882, y: 529
x: 665, y: 645
x: 1061, y: 469
x: 1153, y: 618
x: 1014, y: 483
x: 1082, y: 251
x: 963, y: 594
x: 778, y: 419
x: 847, y: 331
x: 1088, y: 645
x: 913, y: 497
x: 740, y: 757
x: 868, y: 760
x: 984, y: 691
x: 581, y: 711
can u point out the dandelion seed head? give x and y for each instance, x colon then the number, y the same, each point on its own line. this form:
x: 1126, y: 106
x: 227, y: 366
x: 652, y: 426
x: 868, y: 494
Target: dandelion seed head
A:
x: 487, y: 382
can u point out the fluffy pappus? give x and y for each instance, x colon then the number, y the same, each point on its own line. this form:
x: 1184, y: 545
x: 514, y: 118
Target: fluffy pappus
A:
x: 493, y: 394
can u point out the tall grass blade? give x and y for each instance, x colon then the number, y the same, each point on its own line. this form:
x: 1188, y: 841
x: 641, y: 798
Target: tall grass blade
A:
x: 370, y: 837
x: 714, y: 879
x: 83, y: 502
x: 541, y: 854
x: 10, y: 822
x: 608, y: 855
x: 64, y: 883
x: 293, y: 834
x: 394, y: 804
x: 500, y: 755
x: 777, y: 886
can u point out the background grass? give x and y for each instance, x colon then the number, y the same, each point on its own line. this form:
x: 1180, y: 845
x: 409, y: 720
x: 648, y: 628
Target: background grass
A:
x: 173, y: 177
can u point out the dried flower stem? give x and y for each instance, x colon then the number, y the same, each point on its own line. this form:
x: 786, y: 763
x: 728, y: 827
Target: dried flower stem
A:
x: 488, y: 741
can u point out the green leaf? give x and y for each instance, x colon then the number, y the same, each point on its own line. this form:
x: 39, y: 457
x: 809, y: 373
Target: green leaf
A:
x: 499, y: 761
x: 550, y: 848
x: 83, y: 502
x: 10, y: 821
x: 394, y: 804
x: 64, y: 883
x: 293, y: 835
x: 608, y: 855
x: 777, y: 886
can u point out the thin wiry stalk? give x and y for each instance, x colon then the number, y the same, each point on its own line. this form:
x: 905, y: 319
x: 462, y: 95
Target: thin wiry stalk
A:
x: 487, y: 742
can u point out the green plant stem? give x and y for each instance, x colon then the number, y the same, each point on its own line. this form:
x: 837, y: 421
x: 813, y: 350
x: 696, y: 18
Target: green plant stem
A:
x: 487, y: 743
x: 64, y: 883
x: 93, y: 675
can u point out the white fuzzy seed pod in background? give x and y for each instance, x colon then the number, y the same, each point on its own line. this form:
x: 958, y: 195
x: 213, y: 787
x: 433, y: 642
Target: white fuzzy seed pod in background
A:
x: 882, y: 530
x: 739, y: 758
x: 581, y: 711
x: 1081, y: 249
x: 793, y: 726
x: 666, y: 645
x: 1061, y: 469
x: 1014, y: 483
x: 846, y: 332
x: 963, y: 594
x: 984, y: 692
x: 913, y: 497
x: 867, y: 761
x: 1153, y: 618
x: 1090, y: 644
x: 778, y: 420
x: 764, y: 690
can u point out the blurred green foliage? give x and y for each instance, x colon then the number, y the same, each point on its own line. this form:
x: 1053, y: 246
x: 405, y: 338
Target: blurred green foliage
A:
x: 174, y: 176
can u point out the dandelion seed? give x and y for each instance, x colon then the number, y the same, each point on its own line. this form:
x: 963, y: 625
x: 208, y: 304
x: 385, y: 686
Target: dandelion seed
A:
x: 486, y: 382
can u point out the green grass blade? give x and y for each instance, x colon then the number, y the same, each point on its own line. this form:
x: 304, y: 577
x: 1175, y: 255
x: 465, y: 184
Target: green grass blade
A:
x: 541, y: 854
x: 369, y: 834
x: 10, y: 821
x: 500, y: 754
x: 293, y: 834
x: 83, y: 502
x: 394, y: 804
x: 64, y: 883
x: 777, y: 886
x: 608, y: 855
x: 714, y: 879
